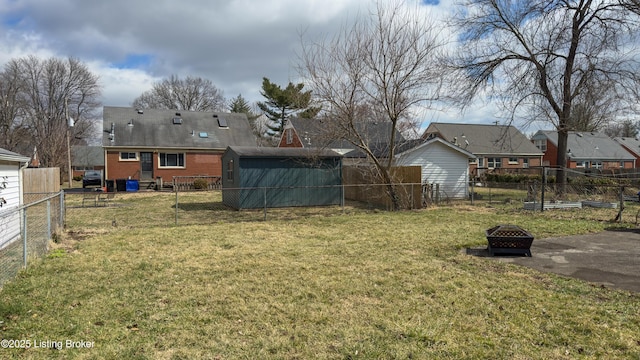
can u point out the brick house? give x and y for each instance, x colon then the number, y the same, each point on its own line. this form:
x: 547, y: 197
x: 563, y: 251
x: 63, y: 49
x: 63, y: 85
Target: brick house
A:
x: 495, y: 146
x: 150, y: 144
x: 585, y: 150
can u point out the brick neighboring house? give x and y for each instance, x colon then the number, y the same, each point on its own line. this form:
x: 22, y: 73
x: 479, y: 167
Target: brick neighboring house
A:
x: 495, y: 146
x: 632, y: 145
x: 585, y: 150
x: 310, y: 133
x: 145, y: 145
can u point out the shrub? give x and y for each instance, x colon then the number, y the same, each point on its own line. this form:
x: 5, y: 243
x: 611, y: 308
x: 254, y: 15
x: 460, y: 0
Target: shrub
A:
x: 200, y: 184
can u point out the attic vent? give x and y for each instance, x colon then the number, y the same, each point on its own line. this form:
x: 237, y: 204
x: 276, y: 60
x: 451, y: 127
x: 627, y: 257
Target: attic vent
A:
x: 178, y: 114
x: 222, y: 122
x: 177, y: 121
x: 203, y: 135
x: 578, y: 134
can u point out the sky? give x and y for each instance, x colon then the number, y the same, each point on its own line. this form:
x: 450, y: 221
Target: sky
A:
x: 130, y: 44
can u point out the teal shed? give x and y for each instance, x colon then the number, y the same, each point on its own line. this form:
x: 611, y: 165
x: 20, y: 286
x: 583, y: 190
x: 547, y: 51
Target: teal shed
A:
x: 255, y: 177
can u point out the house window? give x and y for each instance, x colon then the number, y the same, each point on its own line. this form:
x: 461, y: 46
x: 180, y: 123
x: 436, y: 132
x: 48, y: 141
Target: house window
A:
x: 525, y: 162
x: 128, y: 156
x: 621, y: 164
x: 289, y: 136
x: 541, y: 144
x: 171, y: 160
x: 230, y: 170
x: 582, y: 164
x: 473, y: 161
x: 480, y: 162
x: 596, y: 164
x: 494, y: 163
x: 513, y: 161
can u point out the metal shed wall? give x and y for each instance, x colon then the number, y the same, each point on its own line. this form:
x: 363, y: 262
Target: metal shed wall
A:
x: 281, y: 181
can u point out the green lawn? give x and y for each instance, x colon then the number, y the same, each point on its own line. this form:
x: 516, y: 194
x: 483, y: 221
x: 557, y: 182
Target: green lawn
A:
x: 321, y: 284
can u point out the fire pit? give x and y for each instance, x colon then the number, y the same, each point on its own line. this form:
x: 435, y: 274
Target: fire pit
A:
x: 509, y: 239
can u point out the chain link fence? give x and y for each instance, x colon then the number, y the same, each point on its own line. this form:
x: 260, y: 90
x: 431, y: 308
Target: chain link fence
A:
x: 91, y: 210
x: 25, y: 231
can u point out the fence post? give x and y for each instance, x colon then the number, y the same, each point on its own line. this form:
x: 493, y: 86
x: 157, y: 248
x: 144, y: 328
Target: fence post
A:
x: 544, y: 185
x: 176, y: 205
x: 265, y: 203
x: 24, y: 236
x: 49, y: 219
x: 473, y: 189
x: 62, y: 209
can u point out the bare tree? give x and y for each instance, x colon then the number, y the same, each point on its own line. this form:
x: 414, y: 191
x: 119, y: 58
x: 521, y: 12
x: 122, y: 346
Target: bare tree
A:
x: 49, y: 92
x: 190, y: 94
x: 13, y: 133
x: 625, y: 128
x: 540, y: 58
x: 383, y: 63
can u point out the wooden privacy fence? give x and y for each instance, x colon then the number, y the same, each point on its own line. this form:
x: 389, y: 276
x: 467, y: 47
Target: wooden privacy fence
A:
x: 361, y: 183
x: 41, y: 180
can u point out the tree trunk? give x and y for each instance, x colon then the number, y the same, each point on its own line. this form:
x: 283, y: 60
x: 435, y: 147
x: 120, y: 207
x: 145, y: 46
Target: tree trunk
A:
x: 561, y: 160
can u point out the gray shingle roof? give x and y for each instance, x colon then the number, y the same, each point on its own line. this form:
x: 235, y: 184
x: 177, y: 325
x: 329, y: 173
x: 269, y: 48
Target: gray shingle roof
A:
x: 588, y: 146
x: 156, y: 128
x: 87, y: 155
x: 632, y: 144
x: 377, y: 135
x: 483, y: 139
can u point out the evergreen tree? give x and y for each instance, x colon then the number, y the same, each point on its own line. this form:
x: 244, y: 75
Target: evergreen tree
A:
x: 282, y: 103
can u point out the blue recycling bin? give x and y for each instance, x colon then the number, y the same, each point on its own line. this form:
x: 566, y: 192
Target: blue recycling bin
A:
x: 132, y: 185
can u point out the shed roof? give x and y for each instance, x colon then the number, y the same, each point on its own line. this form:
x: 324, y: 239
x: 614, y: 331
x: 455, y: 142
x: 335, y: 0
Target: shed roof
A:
x: 485, y: 139
x: 437, y: 140
x: 589, y: 145
x: 7, y: 155
x: 273, y: 152
x: 128, y: 127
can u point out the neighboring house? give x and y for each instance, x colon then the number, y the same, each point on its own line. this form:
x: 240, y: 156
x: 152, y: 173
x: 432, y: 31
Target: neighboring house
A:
x: 585, y: 150
x: 312, y: 133
x: 86, y: 158
x: 632, y: 145
x: 255, y: 177
x: 442, y: 163
x: 11, y: 195
x: 495, y: 146
x: 151, y: 144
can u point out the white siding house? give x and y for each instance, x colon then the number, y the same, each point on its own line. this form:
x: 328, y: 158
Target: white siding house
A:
x: 11, y: 165
x: 442, y: 163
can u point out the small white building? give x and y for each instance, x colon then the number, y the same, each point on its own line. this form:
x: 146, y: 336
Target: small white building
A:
x: 442, y: 163
x: 11, y: 165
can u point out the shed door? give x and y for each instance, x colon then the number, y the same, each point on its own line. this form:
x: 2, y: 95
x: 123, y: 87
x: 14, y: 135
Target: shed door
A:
x: 146, y: 165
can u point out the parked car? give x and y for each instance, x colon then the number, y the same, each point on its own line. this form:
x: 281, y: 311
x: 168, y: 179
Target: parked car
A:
x: 91, y: 177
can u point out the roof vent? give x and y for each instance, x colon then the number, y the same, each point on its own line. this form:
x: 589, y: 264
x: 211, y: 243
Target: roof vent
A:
x: 139, y: 111
x: 177, y: 121
x: 203, y: 135
x: 579, y: 134
x: 178, y: 114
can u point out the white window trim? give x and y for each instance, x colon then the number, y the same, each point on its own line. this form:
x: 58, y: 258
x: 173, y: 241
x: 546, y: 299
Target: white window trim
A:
x: 137, y: 158
x: 184, y: 159
x: 514, y: 162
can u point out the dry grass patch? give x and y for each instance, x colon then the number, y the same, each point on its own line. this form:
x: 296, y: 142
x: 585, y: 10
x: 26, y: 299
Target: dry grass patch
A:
x: 360, y: 285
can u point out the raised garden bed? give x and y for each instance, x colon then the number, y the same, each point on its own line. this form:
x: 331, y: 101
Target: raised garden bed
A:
x: 509, y: 239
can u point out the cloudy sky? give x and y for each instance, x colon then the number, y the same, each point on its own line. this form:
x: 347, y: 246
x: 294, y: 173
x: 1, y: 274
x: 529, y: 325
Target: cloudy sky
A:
x: 130, y: 44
